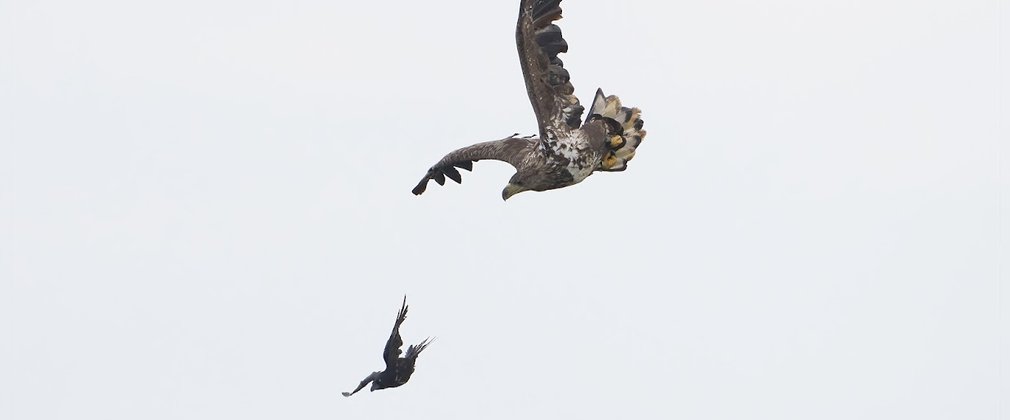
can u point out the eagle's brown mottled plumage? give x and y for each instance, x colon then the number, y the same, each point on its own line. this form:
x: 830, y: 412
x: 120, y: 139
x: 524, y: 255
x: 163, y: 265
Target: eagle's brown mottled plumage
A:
x: 568, y: 149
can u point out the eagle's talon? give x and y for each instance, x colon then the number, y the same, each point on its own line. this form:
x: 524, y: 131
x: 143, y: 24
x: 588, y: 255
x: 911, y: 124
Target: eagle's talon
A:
x: 617, y: 142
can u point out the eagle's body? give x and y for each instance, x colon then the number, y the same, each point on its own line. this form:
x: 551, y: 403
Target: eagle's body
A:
x: 567, y: 149
x: 398, y: 369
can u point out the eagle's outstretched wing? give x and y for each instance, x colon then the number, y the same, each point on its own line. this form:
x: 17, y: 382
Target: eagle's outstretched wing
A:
x: 392, y: 350
x: 510, y: 149
x: 551, y: 92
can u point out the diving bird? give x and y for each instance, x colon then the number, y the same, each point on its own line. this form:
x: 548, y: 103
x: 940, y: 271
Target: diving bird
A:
x: 568, y: 148
x: 398, y: 369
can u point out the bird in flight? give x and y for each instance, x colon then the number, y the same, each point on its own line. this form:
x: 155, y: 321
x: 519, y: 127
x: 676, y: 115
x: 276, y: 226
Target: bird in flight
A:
x: 398, y: 369
x: 568, y: 149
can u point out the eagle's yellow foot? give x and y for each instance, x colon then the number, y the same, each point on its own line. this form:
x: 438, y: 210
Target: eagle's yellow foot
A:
x: 616, y: 142
x: 611, y: 161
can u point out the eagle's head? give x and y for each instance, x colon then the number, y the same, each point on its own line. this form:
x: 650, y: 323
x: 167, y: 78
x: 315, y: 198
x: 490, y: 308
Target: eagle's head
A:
x: 511, y: 189
x: 517, y: 184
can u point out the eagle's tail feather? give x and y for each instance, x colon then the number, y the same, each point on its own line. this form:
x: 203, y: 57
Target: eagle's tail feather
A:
x: 630, y: 121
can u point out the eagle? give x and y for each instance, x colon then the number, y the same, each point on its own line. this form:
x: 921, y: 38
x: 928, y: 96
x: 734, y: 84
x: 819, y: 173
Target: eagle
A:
x: 398, y: 369
x: 568, y: 148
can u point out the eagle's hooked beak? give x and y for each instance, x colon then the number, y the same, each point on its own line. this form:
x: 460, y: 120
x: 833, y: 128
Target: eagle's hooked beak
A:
x: 510, y: 190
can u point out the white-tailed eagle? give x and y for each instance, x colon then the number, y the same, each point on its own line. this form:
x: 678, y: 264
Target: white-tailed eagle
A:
x: 568, y: 149
x: 398, y: 369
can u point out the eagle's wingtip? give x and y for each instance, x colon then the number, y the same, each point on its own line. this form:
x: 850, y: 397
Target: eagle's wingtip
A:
x: 419, y: 189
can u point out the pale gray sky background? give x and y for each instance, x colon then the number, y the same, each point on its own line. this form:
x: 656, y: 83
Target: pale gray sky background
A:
x: 205, y: 212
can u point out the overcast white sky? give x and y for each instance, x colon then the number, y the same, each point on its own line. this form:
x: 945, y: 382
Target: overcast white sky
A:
x: 205, y: 212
